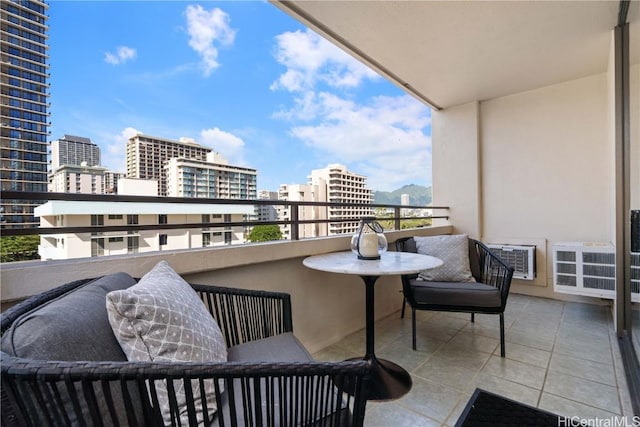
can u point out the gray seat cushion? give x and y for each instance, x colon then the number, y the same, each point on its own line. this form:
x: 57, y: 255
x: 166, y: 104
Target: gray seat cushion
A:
x: 461, y: 294
x: 279, y: 348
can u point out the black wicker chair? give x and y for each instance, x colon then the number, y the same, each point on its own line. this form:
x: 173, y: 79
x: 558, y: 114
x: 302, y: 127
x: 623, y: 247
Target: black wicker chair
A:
x: 54, y: 393
x: 488, y: 295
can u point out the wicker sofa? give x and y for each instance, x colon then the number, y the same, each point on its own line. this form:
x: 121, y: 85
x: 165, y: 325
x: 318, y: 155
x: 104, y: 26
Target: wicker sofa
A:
x: 62, y: 365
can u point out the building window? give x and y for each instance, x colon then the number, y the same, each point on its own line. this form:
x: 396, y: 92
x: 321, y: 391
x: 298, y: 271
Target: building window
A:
x: 97, y: 247
x: 206, y: 240
x: 228, y: 238
x: 115, y: 216
x: 116, y: 239
x: 132, y: 219
x: 97, y: 220
x: 132, y: 244
x: 163, y: 239
x: 162, y: 219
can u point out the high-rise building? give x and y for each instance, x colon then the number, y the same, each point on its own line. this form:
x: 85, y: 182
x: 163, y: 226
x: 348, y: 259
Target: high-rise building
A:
x: 24, y: 120
x: 111, y: 179
x: 146, y: 156
x: 213, y: 178
x: 85, y: 179
x: 74, y: 151
x: 346, y: 187
x: 78, y: 179
x: 267, y: 212
x: 302, y: 193
x: 333, y: 184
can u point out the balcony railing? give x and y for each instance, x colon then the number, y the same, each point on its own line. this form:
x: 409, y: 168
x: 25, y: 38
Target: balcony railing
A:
x: 394, y: 214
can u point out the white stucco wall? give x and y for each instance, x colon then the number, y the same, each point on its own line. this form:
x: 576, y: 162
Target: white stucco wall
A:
x: 543, y: 156
x: 456, y: 166
x: 530, y: 168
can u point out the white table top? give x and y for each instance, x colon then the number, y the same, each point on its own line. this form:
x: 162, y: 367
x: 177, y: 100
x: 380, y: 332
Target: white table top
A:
x: 389, y: 263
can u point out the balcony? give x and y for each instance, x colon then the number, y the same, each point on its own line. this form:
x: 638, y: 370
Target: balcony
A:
x: 562, y: 356
x: 535, y: 141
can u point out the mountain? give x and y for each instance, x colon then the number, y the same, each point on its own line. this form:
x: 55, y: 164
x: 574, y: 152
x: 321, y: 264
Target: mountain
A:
x: 418, y: 195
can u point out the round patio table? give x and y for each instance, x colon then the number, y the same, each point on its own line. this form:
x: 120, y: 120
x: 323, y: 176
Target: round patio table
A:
x: 389, y: 380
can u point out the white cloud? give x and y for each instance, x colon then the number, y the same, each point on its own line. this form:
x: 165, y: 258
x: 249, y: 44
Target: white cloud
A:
x: 114, y: 153
x: 227, y: 144
x: 310, y: 60
x: 122, y: 55
x: 384, y: 140
x: 207, y: 29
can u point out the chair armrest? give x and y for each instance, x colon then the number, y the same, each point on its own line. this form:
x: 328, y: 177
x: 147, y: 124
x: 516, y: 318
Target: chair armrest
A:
x: 494, y: 271
x: 247, y: 315
x: 262, y: 393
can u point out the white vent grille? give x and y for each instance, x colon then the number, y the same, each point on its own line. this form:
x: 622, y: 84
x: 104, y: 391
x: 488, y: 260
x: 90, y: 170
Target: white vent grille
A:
x: 521, y: 258
x: 635, y: 276
x: 585, y: 269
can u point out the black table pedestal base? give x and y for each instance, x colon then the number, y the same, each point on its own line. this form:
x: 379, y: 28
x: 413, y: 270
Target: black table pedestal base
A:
x: 388, y: 381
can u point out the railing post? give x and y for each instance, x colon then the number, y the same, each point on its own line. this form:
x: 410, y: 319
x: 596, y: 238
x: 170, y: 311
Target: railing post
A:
x: 396, y: 212
x: 295, y: 218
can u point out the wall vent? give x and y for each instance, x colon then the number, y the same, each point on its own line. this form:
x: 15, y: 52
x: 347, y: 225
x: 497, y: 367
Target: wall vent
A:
x: 585, y: 268
x: 635, y: 276
x: 521, y: 258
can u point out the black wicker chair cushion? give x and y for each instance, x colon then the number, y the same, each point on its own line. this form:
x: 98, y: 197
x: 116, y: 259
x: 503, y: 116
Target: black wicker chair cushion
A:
x: 71, y: 327
x: 463, y: 294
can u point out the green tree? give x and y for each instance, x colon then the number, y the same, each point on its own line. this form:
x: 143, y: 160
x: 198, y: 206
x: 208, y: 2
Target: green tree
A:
x: 265, y: 233
x: 19, y: 248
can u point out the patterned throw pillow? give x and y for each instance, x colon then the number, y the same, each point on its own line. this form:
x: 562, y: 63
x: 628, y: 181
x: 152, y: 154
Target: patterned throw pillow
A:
x: 162, y: 319
x: 454, y: 253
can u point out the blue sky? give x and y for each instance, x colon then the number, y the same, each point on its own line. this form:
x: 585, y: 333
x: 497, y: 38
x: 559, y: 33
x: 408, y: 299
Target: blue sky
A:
x: 240, y: 77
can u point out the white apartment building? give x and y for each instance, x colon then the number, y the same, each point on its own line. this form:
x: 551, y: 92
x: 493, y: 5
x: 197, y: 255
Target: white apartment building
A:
x: 146, y: 156
x: 212, y: 178
x: 74, y: 150
x: 302, y: 193
x: 334, y: 184
x: 75, y: 168
x: 111, y: 179
x: 347, y: 187
x: 77, y: 179
x: 84, y: 179
x: 267, y: 212
x: 84, y: 214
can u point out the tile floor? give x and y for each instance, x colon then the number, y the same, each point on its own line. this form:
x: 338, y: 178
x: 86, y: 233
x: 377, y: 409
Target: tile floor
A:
x: 560, y: 356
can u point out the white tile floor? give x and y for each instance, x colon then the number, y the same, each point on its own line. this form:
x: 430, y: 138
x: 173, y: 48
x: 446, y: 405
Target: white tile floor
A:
x: 560, y: 356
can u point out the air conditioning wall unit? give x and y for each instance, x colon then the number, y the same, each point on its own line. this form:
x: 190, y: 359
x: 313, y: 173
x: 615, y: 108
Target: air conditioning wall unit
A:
x: 585, y: 268
x: 521, y: 257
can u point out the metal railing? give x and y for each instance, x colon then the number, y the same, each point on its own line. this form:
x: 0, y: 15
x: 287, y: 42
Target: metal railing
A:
x: 396, y: 217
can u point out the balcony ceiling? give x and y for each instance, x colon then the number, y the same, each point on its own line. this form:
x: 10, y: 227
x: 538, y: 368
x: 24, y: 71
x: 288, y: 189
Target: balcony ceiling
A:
x: 453, y: 52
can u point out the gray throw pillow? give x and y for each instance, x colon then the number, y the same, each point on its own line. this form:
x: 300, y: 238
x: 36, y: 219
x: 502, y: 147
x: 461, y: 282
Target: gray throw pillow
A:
x: 453, y: 250
x: 74, y: 327
x: 162, y: 319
